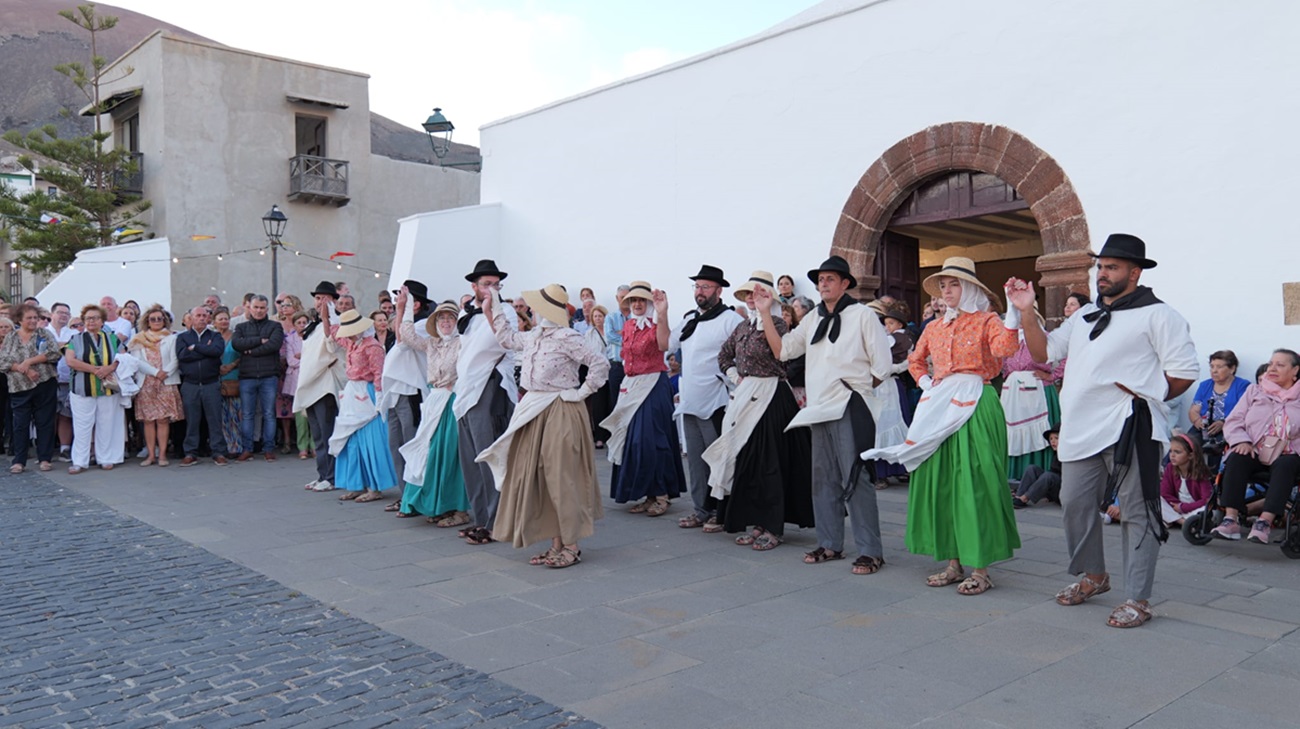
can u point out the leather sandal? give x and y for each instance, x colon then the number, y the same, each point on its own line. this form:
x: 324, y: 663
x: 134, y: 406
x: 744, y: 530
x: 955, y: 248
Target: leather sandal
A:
x: 865, y: 565
x: 821, y: 554
x: 564, y: 558
x: 641, y: 507
x: 949, y: 576
x: 1129, y: 614
x: 658, y: 508
x: 1080, y: 592
x: 976, y: 584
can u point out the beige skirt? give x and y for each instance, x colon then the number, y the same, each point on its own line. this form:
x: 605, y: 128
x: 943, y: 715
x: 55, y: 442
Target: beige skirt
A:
x: 550, y: 489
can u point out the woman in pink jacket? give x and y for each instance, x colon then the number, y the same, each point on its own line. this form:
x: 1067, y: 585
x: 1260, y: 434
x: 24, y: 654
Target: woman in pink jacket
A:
x: 1265, y: 426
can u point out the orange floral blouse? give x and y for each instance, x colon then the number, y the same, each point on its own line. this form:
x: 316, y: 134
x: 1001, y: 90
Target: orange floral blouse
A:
x: 970, y: 344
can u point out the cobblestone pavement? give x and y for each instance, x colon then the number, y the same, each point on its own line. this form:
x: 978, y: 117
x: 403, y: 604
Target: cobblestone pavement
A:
x: 107, y: 621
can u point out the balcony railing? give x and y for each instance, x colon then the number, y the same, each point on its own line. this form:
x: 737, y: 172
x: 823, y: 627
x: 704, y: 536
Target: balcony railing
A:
x: 128, y: 182
x: 318, y: 180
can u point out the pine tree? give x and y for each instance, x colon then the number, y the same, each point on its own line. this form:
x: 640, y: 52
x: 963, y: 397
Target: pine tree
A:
x: 90, y: 205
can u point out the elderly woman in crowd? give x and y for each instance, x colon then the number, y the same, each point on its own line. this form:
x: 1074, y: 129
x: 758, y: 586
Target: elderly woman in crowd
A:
x: 958, y: 506
x: 363, y: 465
x: 761, y: 474
x: 159, y: 402
x: 1263, y: 434
x: 643, y: 442
x: 598, y: 407
x: 28, y: 357
x: 544, y: 462
x: 1214, y: 401
x: 6, y: 415
x: 96, y: 408
x: 435, y: 485
x: 232, y: 411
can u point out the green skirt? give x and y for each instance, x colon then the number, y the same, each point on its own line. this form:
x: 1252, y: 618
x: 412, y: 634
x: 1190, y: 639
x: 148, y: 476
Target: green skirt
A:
x: 1016, y: 465
x: 958, y: 504
x: 443, y: 489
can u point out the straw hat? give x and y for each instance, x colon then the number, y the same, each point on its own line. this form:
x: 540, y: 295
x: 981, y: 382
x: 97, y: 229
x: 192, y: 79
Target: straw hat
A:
x: 446, y: 307
x: 878, y: 306
x: 639, y: 290
x: 352, y: 323
x: 550, y: 303
x: 757, y: 277
x: 960, y: 268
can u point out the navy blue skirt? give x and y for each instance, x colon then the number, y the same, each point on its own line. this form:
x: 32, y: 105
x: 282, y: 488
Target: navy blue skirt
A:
x: 652, y: 455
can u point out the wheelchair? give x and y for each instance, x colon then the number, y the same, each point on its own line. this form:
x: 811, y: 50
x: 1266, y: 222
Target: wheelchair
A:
x: 1196, y: 528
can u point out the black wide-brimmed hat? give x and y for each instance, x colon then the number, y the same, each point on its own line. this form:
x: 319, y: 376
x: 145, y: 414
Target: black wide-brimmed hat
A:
x: 485, y: 267
x: 711, y: 273
x: 1128, y: 247
x: 418, y: 291
x: 326, y: 288
x: 1047, y: 434
x: 834, y: 264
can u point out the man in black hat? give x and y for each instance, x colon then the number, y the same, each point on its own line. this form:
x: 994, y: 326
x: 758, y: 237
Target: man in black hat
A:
x: 847, y: 354
x: 1127, y: 354
x: 321, y: 374
x: 702, y: 390
x: 404, y: 380
x: 485, y: 395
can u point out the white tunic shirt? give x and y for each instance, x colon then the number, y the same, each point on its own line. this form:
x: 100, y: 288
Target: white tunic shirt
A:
x: 480, y: 353
x: 834, y: 371
x: 1139, y: 347
x: 703, y: 387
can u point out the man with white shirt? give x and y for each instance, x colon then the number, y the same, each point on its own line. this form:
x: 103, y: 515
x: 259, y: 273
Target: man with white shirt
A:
x: 119, y: 326
x: 485, y: 396
x: 1127, y: 354
x: 847, y: 353
x: 321, y: 375
x: 702, y: 389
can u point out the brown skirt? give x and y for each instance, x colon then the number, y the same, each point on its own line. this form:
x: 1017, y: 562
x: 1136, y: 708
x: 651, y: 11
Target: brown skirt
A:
x: 550, y: 489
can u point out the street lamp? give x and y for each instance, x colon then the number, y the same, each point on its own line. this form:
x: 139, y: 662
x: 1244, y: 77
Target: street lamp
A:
x: 273, y: 223
x: 439, y: 130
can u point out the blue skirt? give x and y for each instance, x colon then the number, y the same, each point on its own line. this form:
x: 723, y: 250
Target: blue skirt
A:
x: 652, y: 455
x: 365, y: 462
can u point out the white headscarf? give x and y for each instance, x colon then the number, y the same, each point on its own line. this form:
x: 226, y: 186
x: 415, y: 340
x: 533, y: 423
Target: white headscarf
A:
x: 973, y: 299
x: 643, y: 321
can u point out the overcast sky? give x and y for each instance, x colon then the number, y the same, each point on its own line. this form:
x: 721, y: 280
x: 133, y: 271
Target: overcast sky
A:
x: 480, y: 60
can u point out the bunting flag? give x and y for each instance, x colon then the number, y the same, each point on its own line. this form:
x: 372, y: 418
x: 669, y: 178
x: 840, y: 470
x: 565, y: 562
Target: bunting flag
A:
x: 124, y: 232
x: 338, y: 254
x: 203, y: 237
x: 50, y: 219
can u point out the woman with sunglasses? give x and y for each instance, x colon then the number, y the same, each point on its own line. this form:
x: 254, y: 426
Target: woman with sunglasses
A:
x: 159, y: 403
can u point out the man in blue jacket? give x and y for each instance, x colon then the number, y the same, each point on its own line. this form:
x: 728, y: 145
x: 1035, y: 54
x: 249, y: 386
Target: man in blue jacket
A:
x: 199, y: 350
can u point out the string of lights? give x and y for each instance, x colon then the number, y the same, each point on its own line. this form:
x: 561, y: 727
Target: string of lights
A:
x: 220, y: 256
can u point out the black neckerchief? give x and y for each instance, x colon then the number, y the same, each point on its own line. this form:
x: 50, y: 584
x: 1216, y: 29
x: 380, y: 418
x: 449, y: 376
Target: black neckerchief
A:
x: 471, y: 311
x: 1135, y: 438
x: 1141, y: 296
x: 694, y: 318
x: 830, y: 320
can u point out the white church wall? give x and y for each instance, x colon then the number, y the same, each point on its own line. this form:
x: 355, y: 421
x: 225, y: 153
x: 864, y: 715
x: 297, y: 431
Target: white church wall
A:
x: 439, y: 248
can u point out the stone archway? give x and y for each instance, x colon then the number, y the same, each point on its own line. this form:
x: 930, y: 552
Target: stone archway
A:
x: 978, y: 147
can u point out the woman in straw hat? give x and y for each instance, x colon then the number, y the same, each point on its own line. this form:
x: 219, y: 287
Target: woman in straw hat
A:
x: 761, y: 475
x: 959, y: 508
x: 544, y: 463
x: 435, y: 486
x: 643, y: 443
x: 359, y: 443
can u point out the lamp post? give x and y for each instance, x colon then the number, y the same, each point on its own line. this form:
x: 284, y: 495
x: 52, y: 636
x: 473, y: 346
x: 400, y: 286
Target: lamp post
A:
x: 439, y: 129
x: 273, y: 223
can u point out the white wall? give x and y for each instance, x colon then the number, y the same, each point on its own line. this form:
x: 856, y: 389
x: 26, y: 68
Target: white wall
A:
x: 439, y: 248
x: 1164, y: 114
x: 98, y: 272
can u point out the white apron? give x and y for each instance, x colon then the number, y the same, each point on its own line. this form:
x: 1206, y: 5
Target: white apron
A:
x: 748, y: 403
x: 942, y: 411
x: 891, y: 429
x: 404, y: 374
x: 495, y: 455
x: 416, y: 451
x: 633, y: 392
x: 355, y: 411
x: 1025, y: 405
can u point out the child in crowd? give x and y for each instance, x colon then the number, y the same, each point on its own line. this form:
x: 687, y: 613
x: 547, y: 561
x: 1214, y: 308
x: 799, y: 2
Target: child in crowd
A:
x: 1186, y: 483
x: 1037, y: 484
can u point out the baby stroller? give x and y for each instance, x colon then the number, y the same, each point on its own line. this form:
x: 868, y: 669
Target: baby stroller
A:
x: 1196, y: 528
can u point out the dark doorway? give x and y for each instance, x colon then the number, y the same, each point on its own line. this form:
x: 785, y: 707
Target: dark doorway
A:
x: 309, y: 136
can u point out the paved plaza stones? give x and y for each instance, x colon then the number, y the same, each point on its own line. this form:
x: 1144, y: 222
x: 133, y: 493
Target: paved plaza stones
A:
x: 107, y: 621
x: 664, y: 627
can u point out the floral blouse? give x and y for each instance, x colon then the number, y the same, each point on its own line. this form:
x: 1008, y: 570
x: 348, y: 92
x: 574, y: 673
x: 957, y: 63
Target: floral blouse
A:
x: 748, y: 351
x: 14, y: 351
x: 365, y: 358
x: 641, y: 353
x: 970, y: 344
x: 550, y: 357
x: 439, y: 354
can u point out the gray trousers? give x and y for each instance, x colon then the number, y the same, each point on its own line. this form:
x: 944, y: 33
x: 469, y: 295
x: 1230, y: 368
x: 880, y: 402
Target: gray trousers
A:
x: 700, y: 434
x: 833, y: 456
x: 202, y: 402
x: 478, y: 429
x: 1083, y: 485
x: 401, y: 428
x: 320, y: 421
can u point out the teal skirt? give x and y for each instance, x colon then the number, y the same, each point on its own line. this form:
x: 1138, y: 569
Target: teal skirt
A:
x: 1016, y: 465
x: 958, y: 504
x: 443, y: 489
